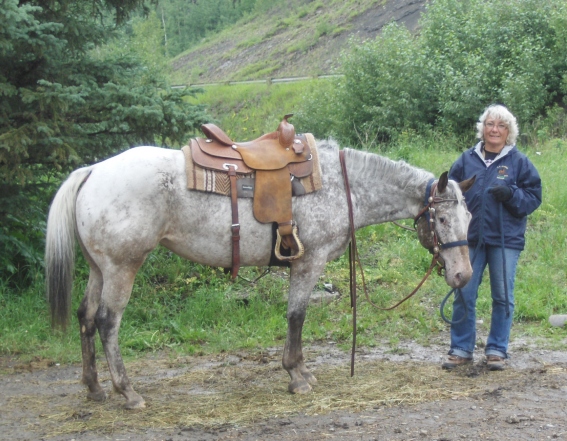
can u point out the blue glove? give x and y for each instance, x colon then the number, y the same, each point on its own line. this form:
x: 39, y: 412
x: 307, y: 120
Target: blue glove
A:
x: 502, y: 193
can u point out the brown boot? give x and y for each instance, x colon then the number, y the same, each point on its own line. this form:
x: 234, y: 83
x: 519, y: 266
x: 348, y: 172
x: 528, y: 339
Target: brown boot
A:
x: 495, y: 363
x: 454, y: 361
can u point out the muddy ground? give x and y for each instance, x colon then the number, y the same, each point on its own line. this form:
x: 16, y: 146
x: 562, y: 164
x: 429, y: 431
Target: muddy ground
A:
x: 394, y: 395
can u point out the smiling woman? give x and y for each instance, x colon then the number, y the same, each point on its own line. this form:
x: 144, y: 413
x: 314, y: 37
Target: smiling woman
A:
x: 506, y: 191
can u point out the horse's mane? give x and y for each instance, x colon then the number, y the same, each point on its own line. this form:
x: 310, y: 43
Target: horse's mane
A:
x: 399, y: 172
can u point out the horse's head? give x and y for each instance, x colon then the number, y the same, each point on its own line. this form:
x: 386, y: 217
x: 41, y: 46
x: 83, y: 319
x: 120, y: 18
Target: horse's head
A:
x: 442, y: 228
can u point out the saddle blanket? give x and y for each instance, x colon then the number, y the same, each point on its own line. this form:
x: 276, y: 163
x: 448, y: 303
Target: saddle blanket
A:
x: 213, y: 181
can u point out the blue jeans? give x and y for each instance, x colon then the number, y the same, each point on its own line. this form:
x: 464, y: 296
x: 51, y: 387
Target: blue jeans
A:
x: 463, y: 334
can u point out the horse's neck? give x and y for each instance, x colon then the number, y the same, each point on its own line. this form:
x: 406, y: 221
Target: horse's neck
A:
x: 384, y: 190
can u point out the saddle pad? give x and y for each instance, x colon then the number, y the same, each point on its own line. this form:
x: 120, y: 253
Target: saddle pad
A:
x: 218, y: 182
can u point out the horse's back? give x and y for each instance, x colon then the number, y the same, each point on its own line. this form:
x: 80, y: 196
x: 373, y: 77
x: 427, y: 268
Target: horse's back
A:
x: 139, y: 199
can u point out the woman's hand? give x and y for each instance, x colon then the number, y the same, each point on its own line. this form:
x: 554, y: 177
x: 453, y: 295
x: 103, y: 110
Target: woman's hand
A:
x: 502, y: 193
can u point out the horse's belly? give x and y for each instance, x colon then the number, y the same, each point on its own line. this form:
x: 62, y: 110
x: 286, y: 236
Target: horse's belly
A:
x: 202, y: 232
x: 212, y: 250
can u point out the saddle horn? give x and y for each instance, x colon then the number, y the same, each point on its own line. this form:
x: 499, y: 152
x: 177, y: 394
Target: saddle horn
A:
x: 286, y: 132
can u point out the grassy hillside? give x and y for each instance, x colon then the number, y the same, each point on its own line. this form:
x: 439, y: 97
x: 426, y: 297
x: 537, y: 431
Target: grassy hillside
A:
x: 297, y: 38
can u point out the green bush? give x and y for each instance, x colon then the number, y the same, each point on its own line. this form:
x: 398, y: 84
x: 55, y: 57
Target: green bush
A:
x: 466, y: 56
x: 387, y: 86
x: 484, y: 52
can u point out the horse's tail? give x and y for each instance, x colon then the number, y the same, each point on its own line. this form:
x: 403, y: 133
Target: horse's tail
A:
x: 60, y: 248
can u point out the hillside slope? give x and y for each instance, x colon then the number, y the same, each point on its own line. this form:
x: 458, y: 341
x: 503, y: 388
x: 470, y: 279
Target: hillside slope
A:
x: 302, y: 41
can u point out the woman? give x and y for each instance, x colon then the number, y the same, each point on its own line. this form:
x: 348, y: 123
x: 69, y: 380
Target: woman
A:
x: 507, y: 189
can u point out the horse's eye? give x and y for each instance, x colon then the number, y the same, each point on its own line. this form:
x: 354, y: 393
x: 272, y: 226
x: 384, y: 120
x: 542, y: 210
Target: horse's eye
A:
x: 442, y: 219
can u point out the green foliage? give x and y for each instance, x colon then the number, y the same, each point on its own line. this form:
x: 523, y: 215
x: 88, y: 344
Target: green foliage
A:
x: 65, y: 102
x: 387, y: 86
x: 246, y: 111
x: 148, y: 42
x: 22, y: 230
x: 188, y: 22
x: 320, y: 110
x: 466, y: 56
x: 487, y: 52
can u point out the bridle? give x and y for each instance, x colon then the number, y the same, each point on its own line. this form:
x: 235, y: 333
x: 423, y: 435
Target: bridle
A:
x: 428, y: 212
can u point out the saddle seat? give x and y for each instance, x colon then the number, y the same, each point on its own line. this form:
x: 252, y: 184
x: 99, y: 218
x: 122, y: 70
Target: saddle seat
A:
x: 275, y: 158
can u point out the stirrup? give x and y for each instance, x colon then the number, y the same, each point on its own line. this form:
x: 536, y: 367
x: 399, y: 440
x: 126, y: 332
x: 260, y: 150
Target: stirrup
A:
x: 300, y: 247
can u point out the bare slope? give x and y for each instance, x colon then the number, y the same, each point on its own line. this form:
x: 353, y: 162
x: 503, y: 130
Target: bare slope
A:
x: 306, y: 40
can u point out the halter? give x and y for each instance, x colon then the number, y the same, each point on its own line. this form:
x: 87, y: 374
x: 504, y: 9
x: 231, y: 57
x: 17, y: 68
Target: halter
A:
x: 429, y: 213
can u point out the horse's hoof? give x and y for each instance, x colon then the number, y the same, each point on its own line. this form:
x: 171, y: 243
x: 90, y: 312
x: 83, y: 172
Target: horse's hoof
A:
x: 309, y: 377
x: 299, y: 387
x: 96, y: 396
x: 135, y: 404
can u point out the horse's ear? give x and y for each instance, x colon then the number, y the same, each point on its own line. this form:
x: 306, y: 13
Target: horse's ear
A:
x: 467, y: 184
x: 443, y: 181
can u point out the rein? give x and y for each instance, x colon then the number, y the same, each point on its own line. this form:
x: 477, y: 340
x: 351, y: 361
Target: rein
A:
x: 352, y: 259
x: 428, y: 212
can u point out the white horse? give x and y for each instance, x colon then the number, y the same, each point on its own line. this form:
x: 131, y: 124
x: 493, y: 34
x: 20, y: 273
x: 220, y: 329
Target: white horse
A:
x: 122, y: 208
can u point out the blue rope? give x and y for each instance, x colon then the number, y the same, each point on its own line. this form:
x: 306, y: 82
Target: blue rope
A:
x: 504, y: 259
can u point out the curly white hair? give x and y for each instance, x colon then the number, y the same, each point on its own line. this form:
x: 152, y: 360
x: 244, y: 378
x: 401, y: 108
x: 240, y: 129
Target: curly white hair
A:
x: 499, y: 112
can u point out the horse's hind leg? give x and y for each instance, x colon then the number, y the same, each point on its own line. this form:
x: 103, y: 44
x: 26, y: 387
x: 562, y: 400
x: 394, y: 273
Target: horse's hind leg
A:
x: 86, y: 314
x: 303, y: 278
x: 115, y: 295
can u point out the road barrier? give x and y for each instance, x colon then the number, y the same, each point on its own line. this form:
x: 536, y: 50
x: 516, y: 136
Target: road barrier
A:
x: 266, y: 81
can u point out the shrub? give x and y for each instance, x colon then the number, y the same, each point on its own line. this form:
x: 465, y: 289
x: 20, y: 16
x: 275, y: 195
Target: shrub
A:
x: 484, y: 52
x: 387, y: 86
x: 466, y: 56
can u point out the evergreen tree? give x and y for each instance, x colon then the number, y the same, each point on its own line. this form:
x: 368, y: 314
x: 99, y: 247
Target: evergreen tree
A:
x: 63, y: 103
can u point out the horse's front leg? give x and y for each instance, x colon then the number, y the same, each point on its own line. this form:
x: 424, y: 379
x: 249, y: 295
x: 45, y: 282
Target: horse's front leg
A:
x: 303, y: 277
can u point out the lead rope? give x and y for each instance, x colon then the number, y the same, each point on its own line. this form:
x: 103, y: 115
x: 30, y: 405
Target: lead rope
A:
x: 354, y: 259
x: 504, y: 260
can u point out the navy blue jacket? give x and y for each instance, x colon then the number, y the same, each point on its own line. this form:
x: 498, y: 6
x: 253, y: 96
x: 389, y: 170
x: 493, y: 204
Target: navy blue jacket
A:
x: 511, y: 167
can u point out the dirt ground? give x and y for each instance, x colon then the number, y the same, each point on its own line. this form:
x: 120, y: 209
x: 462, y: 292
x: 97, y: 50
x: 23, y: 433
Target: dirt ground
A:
x: 394, y: 395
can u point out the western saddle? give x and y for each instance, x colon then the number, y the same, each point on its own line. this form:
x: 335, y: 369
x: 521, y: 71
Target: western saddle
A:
x: 276, y: 159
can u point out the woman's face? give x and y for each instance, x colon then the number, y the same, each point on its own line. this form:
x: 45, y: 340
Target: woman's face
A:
x: 495, y: 133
